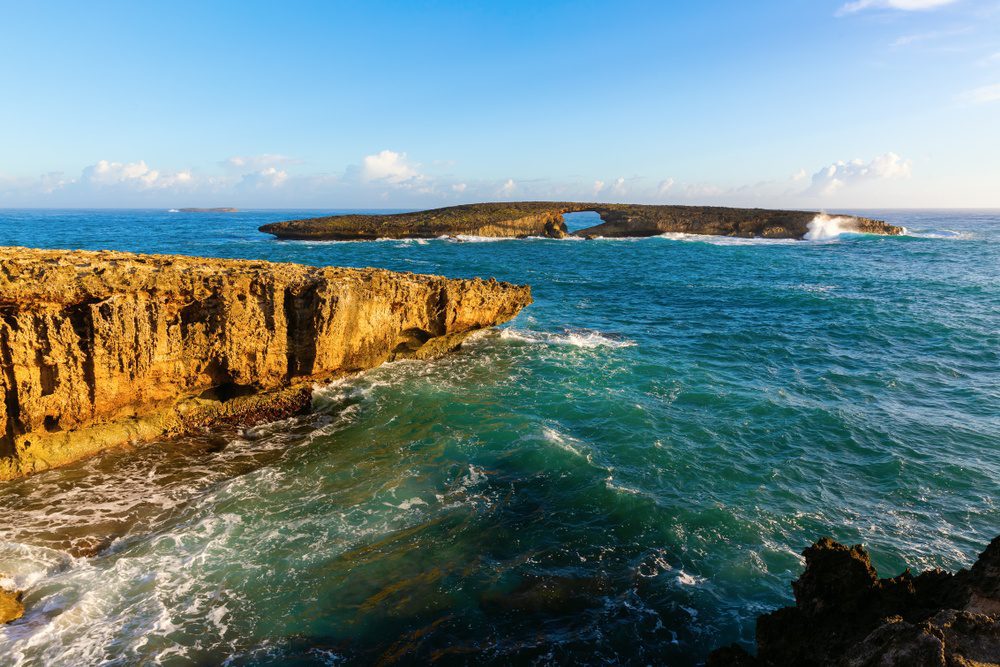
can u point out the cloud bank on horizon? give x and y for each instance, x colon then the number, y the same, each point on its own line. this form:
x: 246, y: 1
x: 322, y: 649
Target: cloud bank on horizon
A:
x: 391, y: 178
x: 837, y: 103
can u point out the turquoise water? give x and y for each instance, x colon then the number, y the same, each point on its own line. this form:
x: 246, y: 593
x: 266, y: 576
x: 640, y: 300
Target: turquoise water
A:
x: 625, y: 474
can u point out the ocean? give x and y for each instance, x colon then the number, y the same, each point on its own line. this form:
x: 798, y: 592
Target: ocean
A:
x: 625, y: 474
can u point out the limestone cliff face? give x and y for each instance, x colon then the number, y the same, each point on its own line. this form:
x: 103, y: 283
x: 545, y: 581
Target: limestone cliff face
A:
x: 520, y: 219
x: 98, y: 349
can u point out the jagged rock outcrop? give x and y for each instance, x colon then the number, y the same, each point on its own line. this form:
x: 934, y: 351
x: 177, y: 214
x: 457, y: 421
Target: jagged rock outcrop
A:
x: 98, y: 349
x: 521, y: 219
x: 11, y: 607
x: 844, y: 615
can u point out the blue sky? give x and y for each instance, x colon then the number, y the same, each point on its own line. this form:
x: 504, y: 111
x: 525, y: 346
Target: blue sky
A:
x: 799, y: 103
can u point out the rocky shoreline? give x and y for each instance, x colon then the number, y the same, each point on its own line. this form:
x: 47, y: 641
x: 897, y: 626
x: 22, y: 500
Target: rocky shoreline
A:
x: 545, y: 219
x: 844, y: 615
x: 103, y: 349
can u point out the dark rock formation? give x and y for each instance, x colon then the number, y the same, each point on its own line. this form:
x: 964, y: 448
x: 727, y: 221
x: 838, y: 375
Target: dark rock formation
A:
x: 99, y: 349
x: 499, y: 220
x: 521, y: 219
x: 845, y: 615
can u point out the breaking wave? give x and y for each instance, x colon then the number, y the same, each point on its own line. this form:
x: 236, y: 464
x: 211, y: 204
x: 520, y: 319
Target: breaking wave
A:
x: 824, y: 227
x: 575, y: 338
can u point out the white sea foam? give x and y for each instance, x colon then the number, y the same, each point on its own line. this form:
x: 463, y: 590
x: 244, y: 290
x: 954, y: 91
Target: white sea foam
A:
x: 575, y: 338
x: 723, y: 240
x: 564, y: 442
x: 407, y: 504
x: 685, y: 579
x: 824, y: 227
x: 612, y: 485
x: 467, y: 238
x: 948, y: 234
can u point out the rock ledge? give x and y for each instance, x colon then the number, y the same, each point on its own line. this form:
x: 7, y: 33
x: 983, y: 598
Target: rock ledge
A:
x: 100, y: 349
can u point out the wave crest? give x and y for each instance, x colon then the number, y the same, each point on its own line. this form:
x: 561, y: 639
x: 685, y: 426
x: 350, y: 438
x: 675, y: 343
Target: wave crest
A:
x: 824, y: 227
x: 575, y: 338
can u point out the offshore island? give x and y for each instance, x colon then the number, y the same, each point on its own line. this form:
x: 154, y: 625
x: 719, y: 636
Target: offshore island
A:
x: 545, y: 219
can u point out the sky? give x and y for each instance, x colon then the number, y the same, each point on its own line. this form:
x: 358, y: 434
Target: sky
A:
x: 791, y: 103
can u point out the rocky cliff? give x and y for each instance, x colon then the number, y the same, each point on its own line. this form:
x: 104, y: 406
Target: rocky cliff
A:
x: 98, y: 349
x: 845, y: 615
x: 638, y: 220
x: 520, y: 219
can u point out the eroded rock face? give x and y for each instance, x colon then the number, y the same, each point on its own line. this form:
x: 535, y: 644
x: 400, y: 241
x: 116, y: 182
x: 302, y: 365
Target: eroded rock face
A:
x: 621, y: 220
x: 520, y: 219
x: 500, y: 220
x: 845, y: 615
x: 98, y: 349
x: 11, y: 607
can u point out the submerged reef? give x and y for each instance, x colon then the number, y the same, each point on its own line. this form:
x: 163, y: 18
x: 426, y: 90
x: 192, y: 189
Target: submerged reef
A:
x: 845, y: 615
x: 101, y: 349
x: 545, y: 219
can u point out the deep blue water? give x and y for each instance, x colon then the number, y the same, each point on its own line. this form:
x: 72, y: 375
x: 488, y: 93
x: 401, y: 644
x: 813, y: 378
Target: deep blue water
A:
x: 625, y: 474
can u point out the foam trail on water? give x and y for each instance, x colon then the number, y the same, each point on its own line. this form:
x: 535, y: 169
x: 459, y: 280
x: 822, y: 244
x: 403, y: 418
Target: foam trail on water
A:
x: 582, y: 338
x: 824, y: 227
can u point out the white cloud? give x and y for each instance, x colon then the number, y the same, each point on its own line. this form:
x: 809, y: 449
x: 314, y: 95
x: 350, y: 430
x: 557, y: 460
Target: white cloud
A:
x: 904, y: 5
x: 257, y: 161
x: 270, y: 177
x: 619, y: 186
x: 388, y: 166
x: 391, y: 179
x: 133, y: 174
x: 932, y: 36
x: 841, y: 175
x: 981, y: 95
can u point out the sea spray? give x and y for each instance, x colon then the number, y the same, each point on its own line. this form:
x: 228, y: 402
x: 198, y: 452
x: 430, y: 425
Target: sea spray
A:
x: 824, y: 227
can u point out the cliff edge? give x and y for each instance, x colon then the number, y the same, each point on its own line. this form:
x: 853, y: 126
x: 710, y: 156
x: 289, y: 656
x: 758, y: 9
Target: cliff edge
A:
x: 844, y: 615
x: 99, y: 349
x: 522, y: 219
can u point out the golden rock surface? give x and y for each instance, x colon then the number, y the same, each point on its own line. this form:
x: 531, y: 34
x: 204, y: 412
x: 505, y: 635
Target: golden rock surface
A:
x: 101, y: 349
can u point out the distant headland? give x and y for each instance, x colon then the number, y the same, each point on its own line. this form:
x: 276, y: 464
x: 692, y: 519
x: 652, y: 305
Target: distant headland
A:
x: 545, y: 219
x: 221, y: 209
